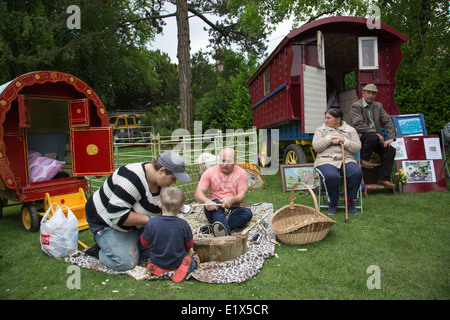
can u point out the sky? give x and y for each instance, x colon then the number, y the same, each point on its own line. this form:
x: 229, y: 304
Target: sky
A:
x: 167, y: 42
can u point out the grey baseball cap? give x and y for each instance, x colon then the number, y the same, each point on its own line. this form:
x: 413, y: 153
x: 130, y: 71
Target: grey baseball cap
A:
x: 172, y: 161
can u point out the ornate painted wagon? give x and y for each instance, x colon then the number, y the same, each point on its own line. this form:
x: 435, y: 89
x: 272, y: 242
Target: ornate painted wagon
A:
x: 54, y: 131
x: 321, y: 64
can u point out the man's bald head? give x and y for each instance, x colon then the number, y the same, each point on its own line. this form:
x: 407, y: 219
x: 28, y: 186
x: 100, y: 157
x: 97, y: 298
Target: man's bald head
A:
x: 227, y: 160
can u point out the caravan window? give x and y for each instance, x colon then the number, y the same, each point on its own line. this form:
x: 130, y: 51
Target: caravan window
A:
x: 368, y: 53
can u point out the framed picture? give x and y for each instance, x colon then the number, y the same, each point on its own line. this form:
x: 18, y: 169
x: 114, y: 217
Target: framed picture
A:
x: 409, y: 125
x: 418, y: 171
x: 293, y: 173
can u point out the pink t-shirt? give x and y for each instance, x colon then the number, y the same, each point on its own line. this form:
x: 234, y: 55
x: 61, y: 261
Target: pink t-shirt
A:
x: 220, y: 185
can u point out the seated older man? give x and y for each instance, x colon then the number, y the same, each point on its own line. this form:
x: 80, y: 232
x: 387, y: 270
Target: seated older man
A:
x: 367, y: 117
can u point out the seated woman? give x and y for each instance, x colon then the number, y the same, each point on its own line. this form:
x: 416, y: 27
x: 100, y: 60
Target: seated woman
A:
x: 326, y: 142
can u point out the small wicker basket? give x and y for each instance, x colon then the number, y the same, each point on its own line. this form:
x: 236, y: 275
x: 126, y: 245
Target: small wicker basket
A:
x: 298, y: 224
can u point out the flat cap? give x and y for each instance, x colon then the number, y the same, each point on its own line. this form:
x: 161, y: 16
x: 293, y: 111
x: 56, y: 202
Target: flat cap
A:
x: 370, y: 87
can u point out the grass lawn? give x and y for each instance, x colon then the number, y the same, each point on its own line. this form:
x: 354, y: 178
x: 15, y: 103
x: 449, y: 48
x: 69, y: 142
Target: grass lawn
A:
x: 405, y: 237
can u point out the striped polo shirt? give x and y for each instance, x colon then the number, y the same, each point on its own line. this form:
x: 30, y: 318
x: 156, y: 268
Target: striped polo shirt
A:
x: 123, y: 191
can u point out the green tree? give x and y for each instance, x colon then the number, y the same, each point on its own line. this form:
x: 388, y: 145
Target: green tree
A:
x: 108, y: 55
x: 228, y: 105
x: 203, y: 75
x: 266, y: 14
x: 164, y: 119
x: 223, y: 33
x: 108, y: 52
x: 160, y: 87
x: 424, y: 72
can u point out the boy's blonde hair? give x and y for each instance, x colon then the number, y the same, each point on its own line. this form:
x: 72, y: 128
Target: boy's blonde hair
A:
x: 172, y: 198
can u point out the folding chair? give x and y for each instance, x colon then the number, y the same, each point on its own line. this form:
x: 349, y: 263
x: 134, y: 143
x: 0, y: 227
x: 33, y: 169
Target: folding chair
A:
x: 324, y: 199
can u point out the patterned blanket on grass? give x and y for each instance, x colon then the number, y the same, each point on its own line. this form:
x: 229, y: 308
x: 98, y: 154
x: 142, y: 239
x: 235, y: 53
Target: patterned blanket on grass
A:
x: 242, y: 268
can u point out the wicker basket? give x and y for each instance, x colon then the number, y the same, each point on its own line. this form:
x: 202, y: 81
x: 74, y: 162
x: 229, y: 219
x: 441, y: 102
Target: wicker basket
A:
x: 298, y: 224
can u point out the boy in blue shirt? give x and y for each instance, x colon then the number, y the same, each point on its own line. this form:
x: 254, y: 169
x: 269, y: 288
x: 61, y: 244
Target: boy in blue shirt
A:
x: 170, y: 238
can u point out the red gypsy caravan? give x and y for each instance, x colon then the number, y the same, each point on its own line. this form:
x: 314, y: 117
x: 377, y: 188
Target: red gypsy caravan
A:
x: 322, y: 64
x: 54, y: 131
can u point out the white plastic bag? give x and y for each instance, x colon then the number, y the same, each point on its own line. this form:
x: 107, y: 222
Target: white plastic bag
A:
x: 59, y: 234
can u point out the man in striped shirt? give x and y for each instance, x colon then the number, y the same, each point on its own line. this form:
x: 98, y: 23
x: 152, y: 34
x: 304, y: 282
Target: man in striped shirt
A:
x: 118, y: 211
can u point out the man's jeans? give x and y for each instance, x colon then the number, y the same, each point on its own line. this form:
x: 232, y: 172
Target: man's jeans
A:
x: 120, y: 251
x: 238, y: 217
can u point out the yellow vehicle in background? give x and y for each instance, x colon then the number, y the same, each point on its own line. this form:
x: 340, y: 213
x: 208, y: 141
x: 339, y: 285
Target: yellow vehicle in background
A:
x: 127, y: 126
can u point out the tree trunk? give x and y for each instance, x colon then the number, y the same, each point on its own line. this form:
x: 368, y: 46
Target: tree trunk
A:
x: 184, y: 66
x: 221, y: 248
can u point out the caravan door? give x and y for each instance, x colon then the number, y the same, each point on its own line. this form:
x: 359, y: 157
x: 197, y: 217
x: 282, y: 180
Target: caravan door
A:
x: 314, y: 90
x: 92, y: 151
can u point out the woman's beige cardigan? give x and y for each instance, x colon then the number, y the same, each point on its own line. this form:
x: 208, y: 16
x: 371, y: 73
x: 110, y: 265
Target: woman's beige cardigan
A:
x: 332, y: 154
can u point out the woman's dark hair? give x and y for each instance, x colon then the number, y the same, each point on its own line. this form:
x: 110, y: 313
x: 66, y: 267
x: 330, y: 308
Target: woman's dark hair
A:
x: 335, y: 113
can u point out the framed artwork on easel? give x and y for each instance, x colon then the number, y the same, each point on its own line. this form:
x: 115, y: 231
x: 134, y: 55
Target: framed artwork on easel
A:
x: 293, y: 173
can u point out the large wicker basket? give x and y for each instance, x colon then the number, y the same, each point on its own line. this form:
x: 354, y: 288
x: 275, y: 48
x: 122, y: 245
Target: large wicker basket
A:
x: 298, y: 224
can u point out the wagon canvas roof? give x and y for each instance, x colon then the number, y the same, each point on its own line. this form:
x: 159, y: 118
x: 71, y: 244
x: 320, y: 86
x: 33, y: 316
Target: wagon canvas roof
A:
x: 33, y: 83
x: 4, y: 86
x: 355, y: 25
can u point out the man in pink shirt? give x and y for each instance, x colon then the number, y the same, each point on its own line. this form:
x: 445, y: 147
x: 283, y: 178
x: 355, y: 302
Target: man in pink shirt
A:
x: 227, y: 185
